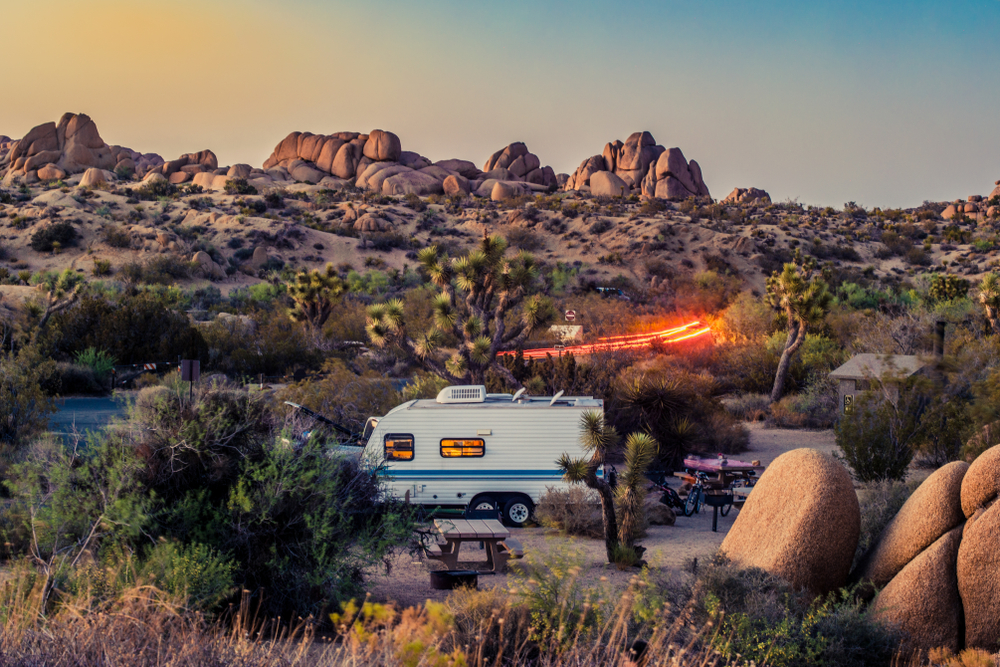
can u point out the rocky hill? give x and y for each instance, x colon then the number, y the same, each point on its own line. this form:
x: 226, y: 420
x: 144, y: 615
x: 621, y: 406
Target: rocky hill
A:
x: 639, y: 211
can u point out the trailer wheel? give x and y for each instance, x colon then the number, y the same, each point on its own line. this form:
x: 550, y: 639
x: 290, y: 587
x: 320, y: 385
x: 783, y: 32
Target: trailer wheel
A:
x: 517, y: 511
x: 484, y: 503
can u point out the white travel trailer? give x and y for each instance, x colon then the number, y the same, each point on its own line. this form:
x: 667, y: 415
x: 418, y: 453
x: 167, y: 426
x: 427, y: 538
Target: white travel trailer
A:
x: 467, y: 448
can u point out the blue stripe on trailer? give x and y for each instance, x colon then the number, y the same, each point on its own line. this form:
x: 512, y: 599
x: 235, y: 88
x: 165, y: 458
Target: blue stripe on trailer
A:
x: 473, y: 473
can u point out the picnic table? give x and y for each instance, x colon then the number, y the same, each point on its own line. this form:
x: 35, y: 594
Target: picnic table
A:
x: 729, y: 481
x: 449, y: 534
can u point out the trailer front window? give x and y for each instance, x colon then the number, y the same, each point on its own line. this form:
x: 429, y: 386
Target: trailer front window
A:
x: 452, y: 448
x: 398, y: 447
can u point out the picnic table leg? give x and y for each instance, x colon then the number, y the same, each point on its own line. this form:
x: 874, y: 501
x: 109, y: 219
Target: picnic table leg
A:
x: 495, y: 559
x: 715, y: 518
x: 450, y: 557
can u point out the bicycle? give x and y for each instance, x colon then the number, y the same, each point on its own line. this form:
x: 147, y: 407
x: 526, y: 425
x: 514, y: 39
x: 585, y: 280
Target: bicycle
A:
x: 696, y: 496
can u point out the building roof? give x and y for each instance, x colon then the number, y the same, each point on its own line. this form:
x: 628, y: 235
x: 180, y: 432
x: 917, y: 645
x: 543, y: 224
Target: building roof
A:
x: 864, y: 366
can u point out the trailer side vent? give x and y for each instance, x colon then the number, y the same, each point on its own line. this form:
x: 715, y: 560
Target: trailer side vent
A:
x: 472, y: 393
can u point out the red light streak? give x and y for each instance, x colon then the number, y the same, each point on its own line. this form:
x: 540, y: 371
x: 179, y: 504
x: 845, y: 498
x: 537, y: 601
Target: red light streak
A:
x: 623, y: 342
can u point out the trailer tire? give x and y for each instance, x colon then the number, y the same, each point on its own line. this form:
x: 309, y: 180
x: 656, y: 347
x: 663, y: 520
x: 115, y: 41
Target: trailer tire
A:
x: 518, y: 511
x: 484, y: 503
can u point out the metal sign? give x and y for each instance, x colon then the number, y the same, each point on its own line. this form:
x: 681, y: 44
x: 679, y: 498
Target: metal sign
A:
x: 570, y: 315
x: 848, y: 404
x: 190, y: 370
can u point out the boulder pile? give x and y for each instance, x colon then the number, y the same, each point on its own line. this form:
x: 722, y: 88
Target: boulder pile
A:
x: 72, y: 146
x: 975, y: 207
x: 747, y: 196
x: 937, y: 562
x: 641, y: 164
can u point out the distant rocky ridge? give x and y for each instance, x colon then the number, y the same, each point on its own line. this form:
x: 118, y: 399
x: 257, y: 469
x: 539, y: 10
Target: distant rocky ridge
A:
x: 640, y: 164
x: 374, y: 161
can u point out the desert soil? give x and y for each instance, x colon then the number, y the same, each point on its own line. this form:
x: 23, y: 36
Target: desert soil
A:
x: 668, y: 547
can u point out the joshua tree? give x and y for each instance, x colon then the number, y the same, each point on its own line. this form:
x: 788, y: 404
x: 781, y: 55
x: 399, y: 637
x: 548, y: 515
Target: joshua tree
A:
x: 802, y: 295
x: 989, y: 297
x: 485, y: 302
x: 315, y: 293
x: 61, y: 291
x: 598, y: 438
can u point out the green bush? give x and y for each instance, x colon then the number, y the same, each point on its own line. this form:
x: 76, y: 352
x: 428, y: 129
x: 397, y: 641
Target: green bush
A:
x: 876, y: 440
x: 239, y: 186
x: 99, y: 361
x: 573, y: 511
x: 61, y: 233
x: 748, y: 407
x: 153, y: 190
x: 195, y: 571
x: 116, y: 237
x: 23, y: 405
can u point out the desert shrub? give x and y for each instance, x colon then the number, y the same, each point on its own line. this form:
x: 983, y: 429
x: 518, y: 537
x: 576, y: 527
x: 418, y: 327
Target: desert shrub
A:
x: 196, y: 572
x: 116, y: 237
x: 524, y: 239
x: 258, y: 344
x: 876, y: 439
x: 153, y: 190
x: 134, y: 328
x: 70, y: 379
x: 424, y: 385
x: 25, y: 407
x: 46, y: 238
x: 947, y: 287
x: 239, y: 186
x: 275, y: 198
x: 476, y: 614
x: 414, y: 202
x: 575, y: 510
x: 747, y: 318
x: 342, y: 395
x: 748, y: 407
x: 102, y: 267
x: 386, y: 241
x: 815, y: 407
x: 880, y: 502
x: 601, y: 226
x: 159, y: 270
x: 99, y: 361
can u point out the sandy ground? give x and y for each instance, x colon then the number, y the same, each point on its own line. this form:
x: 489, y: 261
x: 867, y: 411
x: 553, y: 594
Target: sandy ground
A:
x: 674, y: 547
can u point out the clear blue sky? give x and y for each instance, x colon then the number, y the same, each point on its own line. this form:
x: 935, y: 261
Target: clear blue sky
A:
x: 885, y: 103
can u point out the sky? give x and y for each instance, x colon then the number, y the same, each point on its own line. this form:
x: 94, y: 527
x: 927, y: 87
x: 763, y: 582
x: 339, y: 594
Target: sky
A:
x: 883, y: 103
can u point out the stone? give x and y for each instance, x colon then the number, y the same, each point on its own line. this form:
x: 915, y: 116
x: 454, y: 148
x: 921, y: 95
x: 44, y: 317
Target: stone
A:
x: 524, y: 164
x: 505, y: 156
x: 971, y: 208
x: 672, y: 163
x: 153, y: 177
x: 463, y: 167
x: 949, y: 212
x: 611, y: 152
x: 93, y: 177
x: 346, y: 161
x: 500, y: 174
x: 363, y: 164
x: 439, y: 173
x: 259, y: 258
x: 933, y: 510
x: 50, y: 172
x: 504, y: 190
x: 330, y: 147
x: 192, y: 169
x: 287, y: 149
x: 923, y: 598
x: 305, y: 172
x: 658, y: 514
x: 671, y: 188
x: 370, y: 223
x: 412, y: 182
x: 178, y: 177
x: 414, y: 160
x: 588, y: 167
x: 456, y: 185
x: 239, y: 171
x: 747, y: 196
x: 376, y: 167
x: 978, y: 570
x: 309, y: 146
x: 382, y: 146
x: 604, y: 183
x: 699, y: 181
x: 204, y: 180
x: 993, y: 211
x: 982, y: 482
x: 975, y: 198
x: 377, y: 181
x: 41, y: 159
x: 331, y: 183
x: 801, y: 523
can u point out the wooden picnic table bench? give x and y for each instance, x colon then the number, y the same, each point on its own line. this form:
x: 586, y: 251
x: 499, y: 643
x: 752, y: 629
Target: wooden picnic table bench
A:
x: 448, y: 535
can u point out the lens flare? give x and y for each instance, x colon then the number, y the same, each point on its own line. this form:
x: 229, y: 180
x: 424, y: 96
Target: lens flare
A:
x: 624, y: 342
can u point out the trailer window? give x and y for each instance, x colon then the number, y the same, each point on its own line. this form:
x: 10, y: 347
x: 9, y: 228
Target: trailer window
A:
x: 398, y: 447
x: 451, y: 448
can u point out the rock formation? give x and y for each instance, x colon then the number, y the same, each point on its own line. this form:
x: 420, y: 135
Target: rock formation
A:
x: 802, y: 522
x: 933, y: 510
x: 520, y: 164
x: 746, y: 196
x: 923, y: 598
x: 981, y: 484
x: 643, y: 164
x: 978, y: 570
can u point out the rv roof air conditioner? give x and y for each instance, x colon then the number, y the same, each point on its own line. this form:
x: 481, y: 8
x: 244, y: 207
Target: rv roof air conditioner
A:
x: 469, y: 393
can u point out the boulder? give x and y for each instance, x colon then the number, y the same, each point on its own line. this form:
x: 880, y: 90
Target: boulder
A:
x: 94, y: 177
x: 377, y: 181
x: 671, y: 188
x: 177, y: 177
x: 326, y: 156
x: 506, y: 156
x: 747, y: 196
x: 982, y: 482
x: 376, y: 167
x: 934, y: 509
x: 259, y: 258
x: 979, y: 578
x: 949, y: 212
x: 204, y: 179
x: 382, y: 146
x: 499, y: 174
x: 50, y: 172
x: 304, y: 172
x: 658, y: 514
x: 605, y: 183
x: 587, y: 168
x: 370, y: 223
x: 456, y: 185
x: 412, y: 182
x: 993, y: 211
x: 504, y: 190
x: 801, y: 523
x: 923, y: 599
x: 346, y: 161
x: 439, y: 173
x: 239, y: 171
x: 414, y: 160
x: 463, y: 167
x: 207, y: 266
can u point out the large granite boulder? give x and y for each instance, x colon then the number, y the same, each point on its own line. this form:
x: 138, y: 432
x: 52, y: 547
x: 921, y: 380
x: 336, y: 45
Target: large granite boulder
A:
x: 518, y: 164
x: 382, y: 146
x: 982, y: 483
x: 604, y: 183
x: 802, y: 522
x: 933, y: 510
x: 72, y: 145
x: 747, y: 196
x: 978, y: 570
x: 923, y: 597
